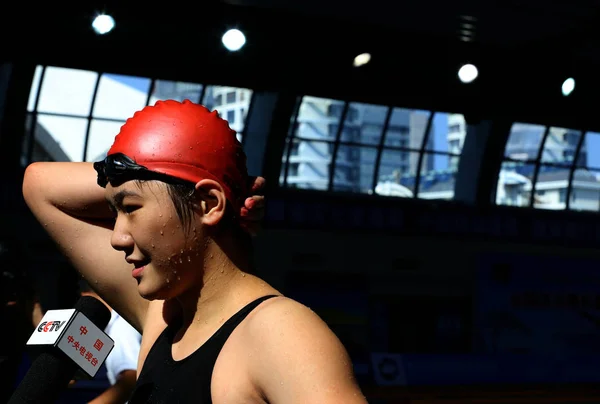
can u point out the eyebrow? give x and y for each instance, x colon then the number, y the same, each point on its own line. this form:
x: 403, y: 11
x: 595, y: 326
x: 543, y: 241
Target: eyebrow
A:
x: 117, y: 199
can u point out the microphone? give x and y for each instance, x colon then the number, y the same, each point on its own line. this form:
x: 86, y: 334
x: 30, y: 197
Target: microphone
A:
x: 77, y: 341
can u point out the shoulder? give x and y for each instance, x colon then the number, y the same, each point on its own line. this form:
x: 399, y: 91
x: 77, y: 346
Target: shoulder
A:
x: 302, y: 360
x: 280, y: 314
x: 280, y: 324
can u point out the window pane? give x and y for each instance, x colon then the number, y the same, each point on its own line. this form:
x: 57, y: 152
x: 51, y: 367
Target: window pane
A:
x: 318, y: 118
x: 589, y: 155
x: 447, y: 133
x: 59, y: 138
x: 438, y: 183
x: 585, y: 194
x: 119, y: 97
x: 220, y: 98
x: 354, y: 168
x: 551, y: 187
x: 309, y: 164
x: 175, y: 90
x: 560, y: 145
x: 368, y: 120
x: 293, y: 127
x: 102, y: 135
x: 231, y: 116
x: 406, y: 128
x: 397, y: 170
x: 524, y: 141
x: 35, y: 86
x: 514, y: 184
x: 67, y: 91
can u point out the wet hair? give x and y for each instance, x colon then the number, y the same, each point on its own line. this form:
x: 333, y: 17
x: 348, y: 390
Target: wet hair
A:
x: 185, y: 200
x: 118, y: 168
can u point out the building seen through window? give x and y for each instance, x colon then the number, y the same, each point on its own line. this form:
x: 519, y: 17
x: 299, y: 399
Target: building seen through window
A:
x: 375, y: 149
x: 74, y: 115
x: 550, y: 168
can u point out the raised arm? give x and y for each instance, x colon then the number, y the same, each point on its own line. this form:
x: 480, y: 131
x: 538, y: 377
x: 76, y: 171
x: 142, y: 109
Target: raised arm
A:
x: 66, y: 200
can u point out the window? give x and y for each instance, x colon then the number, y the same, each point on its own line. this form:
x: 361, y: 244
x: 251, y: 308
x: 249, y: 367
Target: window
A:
x: 231, y: 117
x: 545, y: 166
x: 214, y: 100
x: 74, y: 115
x: 377, y: 149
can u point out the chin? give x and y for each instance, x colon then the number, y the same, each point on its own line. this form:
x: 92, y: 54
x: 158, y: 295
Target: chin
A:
x: 155, y: 292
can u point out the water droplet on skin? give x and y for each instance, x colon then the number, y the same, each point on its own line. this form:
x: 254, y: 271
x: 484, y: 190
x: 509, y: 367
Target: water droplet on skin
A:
x: 168, y: 280
x: 211, y: 256
x: 153, y: 245
x: 180, y: 261
x: 178, y: 278
x: 181, y: 251
x: 160, y: 215
x: 189, y: 259
x: 174, y: 272
x: 96, y: 282
x: 46, y: 225
x: 222, y: 270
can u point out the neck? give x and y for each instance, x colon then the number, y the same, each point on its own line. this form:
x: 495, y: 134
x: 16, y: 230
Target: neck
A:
x: 220, y: 275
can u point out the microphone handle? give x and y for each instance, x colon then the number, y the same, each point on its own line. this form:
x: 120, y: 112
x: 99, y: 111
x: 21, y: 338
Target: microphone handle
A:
x: 48, y: 376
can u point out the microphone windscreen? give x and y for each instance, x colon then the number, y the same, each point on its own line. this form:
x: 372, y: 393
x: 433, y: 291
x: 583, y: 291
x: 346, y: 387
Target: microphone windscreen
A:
x: 45, y: 380
x: 94, y: 310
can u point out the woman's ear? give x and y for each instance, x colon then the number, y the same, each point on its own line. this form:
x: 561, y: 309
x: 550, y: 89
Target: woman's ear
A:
x: 212, y: 201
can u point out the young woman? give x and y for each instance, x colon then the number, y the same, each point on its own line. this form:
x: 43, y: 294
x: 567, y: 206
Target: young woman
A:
x: 160, y: 241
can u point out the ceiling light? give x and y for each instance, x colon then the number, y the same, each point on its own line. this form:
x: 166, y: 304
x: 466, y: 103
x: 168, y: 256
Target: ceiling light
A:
x: 103, y: 24
x: 468, y: 73
x: 362, y: 59
x: 234, y: 40
x: 568, y: 86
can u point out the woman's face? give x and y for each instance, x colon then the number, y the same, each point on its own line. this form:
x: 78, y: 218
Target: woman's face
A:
x: 166, y: 258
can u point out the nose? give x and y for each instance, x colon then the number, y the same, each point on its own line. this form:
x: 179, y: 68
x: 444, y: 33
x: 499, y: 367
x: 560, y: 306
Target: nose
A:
x: 121, y: 239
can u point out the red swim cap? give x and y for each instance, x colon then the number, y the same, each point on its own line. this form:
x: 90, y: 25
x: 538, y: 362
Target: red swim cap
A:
x: 187, y: 141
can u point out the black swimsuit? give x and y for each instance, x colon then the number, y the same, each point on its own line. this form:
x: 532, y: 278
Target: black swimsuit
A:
x: 164, y: 380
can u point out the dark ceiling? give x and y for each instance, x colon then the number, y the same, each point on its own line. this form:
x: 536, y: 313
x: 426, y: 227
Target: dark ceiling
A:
x: 506, y: 23
x: 524, y: 49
